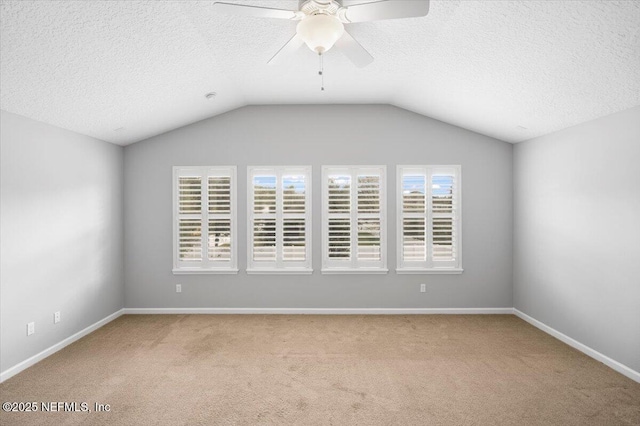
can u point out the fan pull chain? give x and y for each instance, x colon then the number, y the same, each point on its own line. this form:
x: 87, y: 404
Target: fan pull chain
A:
x: 321, y: 72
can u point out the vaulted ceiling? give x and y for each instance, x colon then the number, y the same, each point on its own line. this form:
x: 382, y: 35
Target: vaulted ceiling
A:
x: 123, y: 71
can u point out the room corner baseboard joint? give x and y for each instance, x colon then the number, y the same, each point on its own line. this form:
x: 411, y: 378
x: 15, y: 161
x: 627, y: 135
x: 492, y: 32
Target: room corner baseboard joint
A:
x: 611, y: 363
x: 23, y: 365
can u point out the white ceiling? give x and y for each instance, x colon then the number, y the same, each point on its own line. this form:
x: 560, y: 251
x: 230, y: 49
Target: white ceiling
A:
x: 143, y: 67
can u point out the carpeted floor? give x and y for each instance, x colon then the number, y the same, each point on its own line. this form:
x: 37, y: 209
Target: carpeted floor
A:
x: 324, y: 370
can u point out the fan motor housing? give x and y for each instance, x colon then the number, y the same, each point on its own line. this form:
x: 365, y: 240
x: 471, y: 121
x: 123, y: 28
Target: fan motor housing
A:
x: 313, y: 7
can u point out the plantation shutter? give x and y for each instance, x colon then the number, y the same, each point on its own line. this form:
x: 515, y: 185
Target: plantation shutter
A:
x: 190, y: 219
x: 353, y: 218
x: 294, y: 212
x: 413, y: 222
x: 428, y: 217
x: 264, y: 217
x: 443, y: 217
x: 339, y: 217
x: 219, y: 200
x: 280, y: 219
x: 204, y: 219
x: 368, y: 219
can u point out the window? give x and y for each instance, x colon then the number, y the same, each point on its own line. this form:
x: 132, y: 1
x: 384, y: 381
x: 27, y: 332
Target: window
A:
x: 354, y: 216
x: 429, y: 219
x: 204, y: 220
x: 279, y: 220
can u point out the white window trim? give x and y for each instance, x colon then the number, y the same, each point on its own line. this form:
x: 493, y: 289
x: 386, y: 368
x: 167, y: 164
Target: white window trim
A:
x: 208, y: 267
x: 201, y: 271
x: 280, y: 267
x: 355, y: 271
x: 431, y: 271
x: 429, y: 268
x: 282, y: 271
x: 332, y: 267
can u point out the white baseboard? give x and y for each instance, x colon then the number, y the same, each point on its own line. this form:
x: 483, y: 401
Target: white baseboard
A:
x: 321, y: 311
x: 12, y: 371
x: 620, y: 368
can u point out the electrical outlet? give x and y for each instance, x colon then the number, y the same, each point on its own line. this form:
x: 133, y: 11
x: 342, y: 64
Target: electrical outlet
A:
x: 423, y: 288
x: 31, y: 328
x: 56, y: 317
x: 178, y: 288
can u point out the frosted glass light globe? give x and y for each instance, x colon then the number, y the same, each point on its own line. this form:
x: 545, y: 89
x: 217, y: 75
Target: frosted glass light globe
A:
x: 320, y: 32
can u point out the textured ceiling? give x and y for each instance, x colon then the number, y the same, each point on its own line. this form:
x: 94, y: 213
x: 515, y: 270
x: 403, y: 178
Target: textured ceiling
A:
x: 123, y: 71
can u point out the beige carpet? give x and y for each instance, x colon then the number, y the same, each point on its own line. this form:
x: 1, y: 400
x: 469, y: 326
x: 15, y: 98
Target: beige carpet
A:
x: 324, y: 370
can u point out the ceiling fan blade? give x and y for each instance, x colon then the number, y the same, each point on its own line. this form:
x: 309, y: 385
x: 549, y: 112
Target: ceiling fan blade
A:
x: 289, y: 48
x: 386, y: 9
x: 261, y: 12
x: 353, y: 50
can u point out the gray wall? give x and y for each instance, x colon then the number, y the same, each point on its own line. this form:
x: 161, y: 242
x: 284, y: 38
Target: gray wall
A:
x: 61, y: 223
x: 317, y: 135
x: 577, y: 229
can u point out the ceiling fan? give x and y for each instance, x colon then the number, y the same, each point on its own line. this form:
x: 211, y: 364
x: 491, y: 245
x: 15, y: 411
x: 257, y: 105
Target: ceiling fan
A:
x: 322, y: 23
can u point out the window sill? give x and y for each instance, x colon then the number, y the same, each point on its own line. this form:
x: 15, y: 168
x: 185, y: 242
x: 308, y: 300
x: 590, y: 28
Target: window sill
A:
x: 287, y: 271
x: 205, y: 271
x: 345, y: 271
x: 432, y: 271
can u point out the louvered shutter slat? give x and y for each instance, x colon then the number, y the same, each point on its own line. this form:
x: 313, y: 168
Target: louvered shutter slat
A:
x: 414, y: 247
x: 339, y: 238
x: 219, y: 194
x: 293, y: 194
x: 190, y: 195
x: 264, y: 240
x: 264, y: 194
x: 294, y: 240
x: 369, y: 239
x: 413, y: 193
x: 190, y: 240
x: 339, y: 196
x: 368, y: 194
x: 219, y: 240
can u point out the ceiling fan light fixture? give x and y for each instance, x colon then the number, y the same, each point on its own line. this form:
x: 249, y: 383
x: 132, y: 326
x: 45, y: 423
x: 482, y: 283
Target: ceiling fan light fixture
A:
x: 320, y: 32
